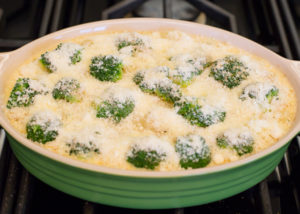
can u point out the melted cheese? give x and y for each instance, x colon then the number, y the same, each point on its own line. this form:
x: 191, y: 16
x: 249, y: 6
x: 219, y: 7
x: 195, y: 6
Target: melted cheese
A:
x: 154, y: 119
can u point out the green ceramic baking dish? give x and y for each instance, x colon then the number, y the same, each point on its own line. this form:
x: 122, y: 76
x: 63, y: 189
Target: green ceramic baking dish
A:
x: 136, y: 189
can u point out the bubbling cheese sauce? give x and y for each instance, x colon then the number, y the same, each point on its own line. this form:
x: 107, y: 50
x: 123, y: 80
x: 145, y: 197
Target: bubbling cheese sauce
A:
x: 153, y: 120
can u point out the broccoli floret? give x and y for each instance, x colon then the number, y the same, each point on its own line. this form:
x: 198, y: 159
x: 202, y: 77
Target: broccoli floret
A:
x: 272, y: 94
x: 83, y: 144
x: 229, y: 71
x: 75, y: 51
x: 116, y: 103
x: 64, y: 52
x: 66, y: 89
x: 144, y: 155
x: 138, y: 78
x: 158, y: 85
x: 130, y: 43
x: 208, y: 64
x: 198, y: 115
x: 24, y: 92
x: 46, y: 62
x: 239, y: 140
x: 43, y: 127
x: 106, y: 68
x: 76, y: 57
x: 167, y: 92
x: 115, y: 110
x: 144, y: 159
x: 160, y: 72
x: 193, y: 151
x: 82, y: 149
x: 135, y: 44
x: 186, y: 68
x: 261, y: 92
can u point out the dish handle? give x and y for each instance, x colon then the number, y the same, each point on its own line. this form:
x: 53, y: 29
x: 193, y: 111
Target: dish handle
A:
x: 3, y: 57
x: 295, y: 66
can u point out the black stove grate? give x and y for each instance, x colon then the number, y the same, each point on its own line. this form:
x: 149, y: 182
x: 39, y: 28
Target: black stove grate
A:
x: 218, y: 13
x: 273, y: 23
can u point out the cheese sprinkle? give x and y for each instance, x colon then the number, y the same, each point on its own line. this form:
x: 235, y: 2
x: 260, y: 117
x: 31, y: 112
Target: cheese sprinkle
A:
x: 167, y: 58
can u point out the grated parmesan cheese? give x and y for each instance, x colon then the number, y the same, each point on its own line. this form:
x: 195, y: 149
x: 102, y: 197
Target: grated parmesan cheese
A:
x: 83, y: 142
x: 119, y: 94
x: 49, y: 121
x: 151, y: 143
x: 258, y: 92
x: 24, y: 92
x: 61, y: 58
x: 194, y: 145
x: 37, y: 86
x: 238, y: 136
x: 129, y: 43
x: 186, y: 66
x: 153, y: 123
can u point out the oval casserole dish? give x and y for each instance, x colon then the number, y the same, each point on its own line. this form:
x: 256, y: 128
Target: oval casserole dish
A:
x: 147, y: 190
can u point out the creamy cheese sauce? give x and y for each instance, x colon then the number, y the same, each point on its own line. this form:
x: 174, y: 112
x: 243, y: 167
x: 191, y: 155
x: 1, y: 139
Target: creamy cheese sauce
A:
x: 151, y: 115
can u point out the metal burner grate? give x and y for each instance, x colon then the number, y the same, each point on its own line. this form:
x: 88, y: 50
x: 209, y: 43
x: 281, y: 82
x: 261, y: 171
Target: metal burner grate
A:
x: 219, y: 14
x: 269, y: 22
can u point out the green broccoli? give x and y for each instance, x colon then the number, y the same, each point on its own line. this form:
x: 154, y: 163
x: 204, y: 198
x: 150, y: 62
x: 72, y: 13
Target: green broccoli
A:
x: 158, y: 85
x: 144, y: 159
x: 82, y: 149
x: 272, y: 94
x: 83, y: 144
x: 69, y: 52
x: 43, y: 127
x: 241, y: 141
x: 138, y: 78
x: 131, y: 43
x: 47, y: 62
x: 24, y: 92
x: 115, y: 109
x: 66, y: 89
x: 145, y: 155
x: 186, y: 68
x: 229, y: 71
x: 160, y: 72
x: 76, y: 57
x: 125, y: 43
x: 106, y: 68
x: 193, y: 151
x: 261, y: 92
x: 198, y: 115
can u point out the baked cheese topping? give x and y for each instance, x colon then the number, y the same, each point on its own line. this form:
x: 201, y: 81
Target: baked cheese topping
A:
x: 162, y: 101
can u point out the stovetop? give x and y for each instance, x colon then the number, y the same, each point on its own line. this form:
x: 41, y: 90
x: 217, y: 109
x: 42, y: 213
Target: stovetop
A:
x: 272, y: 23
